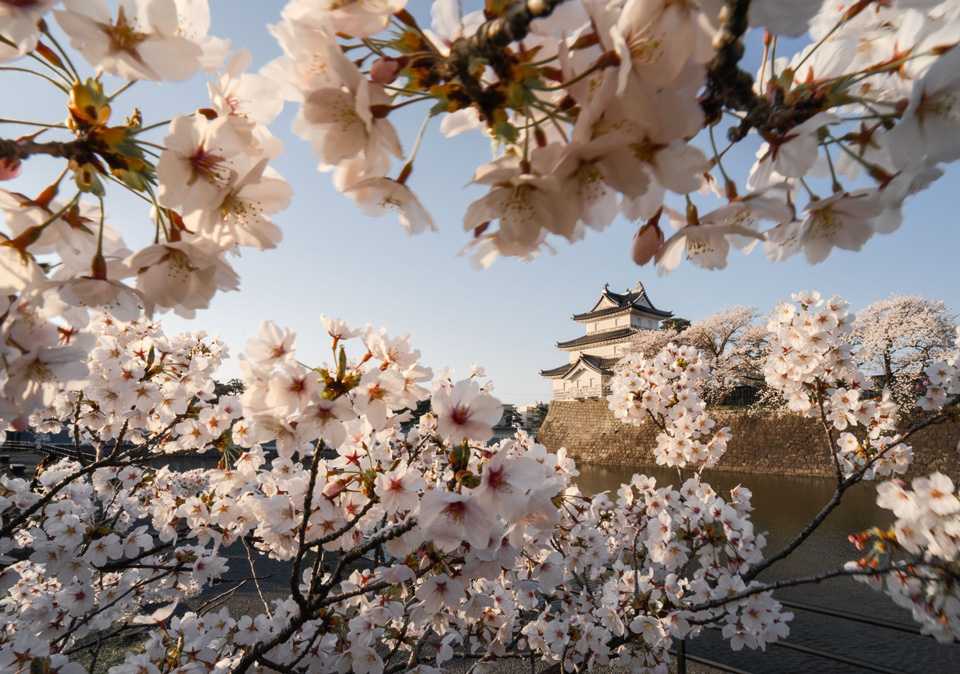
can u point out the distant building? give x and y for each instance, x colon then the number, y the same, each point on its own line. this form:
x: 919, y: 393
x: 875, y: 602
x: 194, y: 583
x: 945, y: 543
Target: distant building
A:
x: 614, y: 319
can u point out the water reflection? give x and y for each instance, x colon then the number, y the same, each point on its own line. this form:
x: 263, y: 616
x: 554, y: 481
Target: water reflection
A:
x: 783, y: 505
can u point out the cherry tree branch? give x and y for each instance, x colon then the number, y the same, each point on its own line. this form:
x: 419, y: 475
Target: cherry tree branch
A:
x: 258, y: 650
x: 910, y: 566
x: 490, y: 43
x: 838, y: 494
x: 731, y: 87
x: 81, y: 150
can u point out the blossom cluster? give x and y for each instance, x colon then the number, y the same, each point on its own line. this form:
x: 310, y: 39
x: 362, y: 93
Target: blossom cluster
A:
x: 412, y: 541
x: 665, y: 388
x: 926, y: 533
x: 630, y: 560
x: 942, y: 381
x: 592, y: 109
x: 209, y: 191
x: 813, y: 366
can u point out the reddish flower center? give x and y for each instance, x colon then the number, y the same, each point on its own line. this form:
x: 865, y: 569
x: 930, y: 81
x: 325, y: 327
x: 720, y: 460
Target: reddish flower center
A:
x: 460, y: 415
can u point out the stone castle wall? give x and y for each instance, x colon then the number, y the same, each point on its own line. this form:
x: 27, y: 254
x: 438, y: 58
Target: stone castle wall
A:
x: 762, y: 442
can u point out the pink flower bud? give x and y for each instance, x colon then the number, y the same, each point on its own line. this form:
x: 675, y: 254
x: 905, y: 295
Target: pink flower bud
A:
x: 9, y: 168
x: 333, y: 488
x: 646, y: 242
x: 385, y: 70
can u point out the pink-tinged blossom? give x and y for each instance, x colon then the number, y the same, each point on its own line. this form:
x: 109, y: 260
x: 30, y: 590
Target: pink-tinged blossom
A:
x: 789, y: 155
x: 930, y: 128
x: 242, y: 218
x: 441, y: 590
x: 324, y: 419
x: 447, y: 518
x: 341, y: 124
x: 292, y: 387
x: 272, y: 347
x: 397, y: 350
x: 655, y: 40
x: 526, y: 202
x: 337, y: 328
x: 506, y: 483
x: 19, y: 19
x: 378, y: 196
x: 844, y: 220
x: 145, y: 40
x: 18, y: 270
x: 378, y: 394
x: 705, y: 245
x: 307, y: 61
x: 244, y: 94
x: 465, y: 412
x: 935, y: 493
x: 399, y: 488
x: 197, y: 169
x: 183, y: 275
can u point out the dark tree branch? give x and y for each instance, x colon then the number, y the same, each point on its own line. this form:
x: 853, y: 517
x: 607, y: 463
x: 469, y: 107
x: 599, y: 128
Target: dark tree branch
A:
x: 81, y: 150
x: 490, y: 43
x: 729, y: 86
x: 306, y: 613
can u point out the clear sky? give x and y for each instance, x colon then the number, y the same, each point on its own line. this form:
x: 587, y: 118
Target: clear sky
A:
x: 337, y: 261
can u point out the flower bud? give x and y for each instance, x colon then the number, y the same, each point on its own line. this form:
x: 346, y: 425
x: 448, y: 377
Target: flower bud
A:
x: 331, y: 489
x: 646, y: 242
x: 385, y: 70
x: 9, y: 168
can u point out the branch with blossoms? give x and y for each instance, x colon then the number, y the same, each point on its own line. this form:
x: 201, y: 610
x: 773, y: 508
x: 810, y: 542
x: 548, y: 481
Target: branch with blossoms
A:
x: 207, y: 188
x: 595, y: 110
x: 402, y: 539
x: 602, y: 101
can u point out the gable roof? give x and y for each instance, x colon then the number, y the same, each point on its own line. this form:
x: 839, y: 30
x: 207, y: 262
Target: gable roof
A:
x: 602, y: 366
x: 612, y: 303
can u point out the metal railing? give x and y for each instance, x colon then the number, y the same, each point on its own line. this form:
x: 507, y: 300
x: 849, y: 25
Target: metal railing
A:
x: 682, y: 657
x: 44, y: 449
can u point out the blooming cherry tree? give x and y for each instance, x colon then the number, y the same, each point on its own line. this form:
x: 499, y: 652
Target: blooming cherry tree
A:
x: 409, y: 546
x: 403, y: 537
x: 591, y: 108
x: 900, y: 336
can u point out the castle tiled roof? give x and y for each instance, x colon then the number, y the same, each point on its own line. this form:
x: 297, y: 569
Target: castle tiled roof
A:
x: 598, y: 338
x: 634, y: 299
x: 598, y: 365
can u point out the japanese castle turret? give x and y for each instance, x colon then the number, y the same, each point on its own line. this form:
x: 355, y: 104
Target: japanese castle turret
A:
x: 610, y: 325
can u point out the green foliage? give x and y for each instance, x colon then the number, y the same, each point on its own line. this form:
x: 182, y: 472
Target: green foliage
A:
x: 537, y: 414
x: 232, y: 387
x: 675, y: 323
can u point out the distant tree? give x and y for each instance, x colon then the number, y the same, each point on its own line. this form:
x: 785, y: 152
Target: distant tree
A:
x: 232, y: 387
x: 900, y: 336
x: 511, y: 417
x: 537, y: 414
x: 422, y: 408
x: 675, y: 323
x: 650, y: 342
x: 728, y: 337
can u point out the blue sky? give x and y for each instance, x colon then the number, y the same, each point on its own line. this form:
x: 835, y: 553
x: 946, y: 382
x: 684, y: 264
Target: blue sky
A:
x: 337, y: 261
